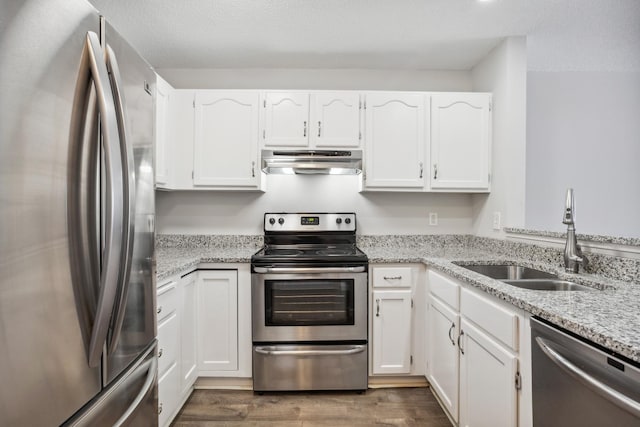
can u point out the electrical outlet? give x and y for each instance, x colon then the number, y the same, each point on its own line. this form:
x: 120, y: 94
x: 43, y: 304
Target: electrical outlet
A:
x: 496, y: 221
x: 433, y: 218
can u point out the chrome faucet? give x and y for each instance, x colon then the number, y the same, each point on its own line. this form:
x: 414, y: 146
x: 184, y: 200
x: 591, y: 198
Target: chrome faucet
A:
x: 573, y: 256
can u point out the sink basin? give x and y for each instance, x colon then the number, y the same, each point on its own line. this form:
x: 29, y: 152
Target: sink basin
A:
x: 509, y: 272
x: 526, y: 278
x: 547, y: 285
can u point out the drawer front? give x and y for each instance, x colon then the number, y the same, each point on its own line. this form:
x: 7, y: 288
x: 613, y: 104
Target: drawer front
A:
x: 168, y: 300
x: 444, y: 288
x: 494, y: 319
x: 168, y: 342
x: 168, y: 395
x: 392, y: 277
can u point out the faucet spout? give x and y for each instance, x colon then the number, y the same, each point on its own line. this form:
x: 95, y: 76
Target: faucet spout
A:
x: 573, y: 256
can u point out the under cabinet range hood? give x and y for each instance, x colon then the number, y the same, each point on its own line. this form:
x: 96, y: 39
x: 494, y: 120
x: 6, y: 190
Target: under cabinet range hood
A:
x: 312, y: 162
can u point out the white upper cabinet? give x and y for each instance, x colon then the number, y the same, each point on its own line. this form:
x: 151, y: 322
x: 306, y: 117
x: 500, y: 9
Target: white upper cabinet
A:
x: 395, y: 141
x: 320, y: 120
x: 285, y: 119
x: 225, y: 152
x: 162, y: 131
x: 335, y: 120
x: 460, y: 141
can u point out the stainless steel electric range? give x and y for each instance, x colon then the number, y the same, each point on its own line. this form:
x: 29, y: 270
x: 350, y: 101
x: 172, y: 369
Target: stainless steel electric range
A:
x: 309, y: 301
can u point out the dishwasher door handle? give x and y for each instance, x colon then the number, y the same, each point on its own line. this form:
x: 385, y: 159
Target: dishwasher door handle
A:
x: 602, y: 389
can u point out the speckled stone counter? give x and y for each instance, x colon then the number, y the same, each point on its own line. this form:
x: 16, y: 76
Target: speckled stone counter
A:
x: 609, y: 315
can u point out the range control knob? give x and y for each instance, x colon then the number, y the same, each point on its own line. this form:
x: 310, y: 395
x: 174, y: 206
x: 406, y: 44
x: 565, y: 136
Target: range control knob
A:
x: 272, y: 221
x: 338, y: 220
x: 280, y: 220
x: 347, y: 220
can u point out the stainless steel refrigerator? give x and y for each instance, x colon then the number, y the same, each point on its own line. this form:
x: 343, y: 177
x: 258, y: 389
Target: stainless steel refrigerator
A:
x: 77, y: 297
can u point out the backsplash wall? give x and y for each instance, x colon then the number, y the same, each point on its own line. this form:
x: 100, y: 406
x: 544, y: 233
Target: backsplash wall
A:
x: 217, y: 212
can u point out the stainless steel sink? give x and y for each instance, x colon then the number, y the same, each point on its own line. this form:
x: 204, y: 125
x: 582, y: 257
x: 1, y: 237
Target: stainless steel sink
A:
x: 526, y: 278
x: 509, y: 272
x: 547, y: 285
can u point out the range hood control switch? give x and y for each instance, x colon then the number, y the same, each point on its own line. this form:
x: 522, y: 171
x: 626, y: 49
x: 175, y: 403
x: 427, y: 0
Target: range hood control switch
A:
x: 338, y: 220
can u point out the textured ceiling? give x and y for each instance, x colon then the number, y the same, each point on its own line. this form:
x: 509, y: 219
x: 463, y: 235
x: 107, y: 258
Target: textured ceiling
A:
x: 405, y: 34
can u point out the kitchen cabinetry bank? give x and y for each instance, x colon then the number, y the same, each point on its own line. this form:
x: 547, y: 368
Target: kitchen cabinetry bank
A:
x: 493, y: 316
x: 412, y: 141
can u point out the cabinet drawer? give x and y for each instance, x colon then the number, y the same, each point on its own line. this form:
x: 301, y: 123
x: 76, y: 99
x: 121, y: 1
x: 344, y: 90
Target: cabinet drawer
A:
x: 168, y: 395
x: 167, y: 301
x: 168, y: 342
x: 445, y: 289
x: 494, y: 319
x: 392, y: 277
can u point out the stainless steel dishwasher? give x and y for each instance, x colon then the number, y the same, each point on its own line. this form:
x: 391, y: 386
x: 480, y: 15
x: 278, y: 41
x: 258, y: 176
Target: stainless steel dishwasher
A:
x: 577, y: 383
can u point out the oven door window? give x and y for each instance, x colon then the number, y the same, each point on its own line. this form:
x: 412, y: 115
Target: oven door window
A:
x: 309, y: 302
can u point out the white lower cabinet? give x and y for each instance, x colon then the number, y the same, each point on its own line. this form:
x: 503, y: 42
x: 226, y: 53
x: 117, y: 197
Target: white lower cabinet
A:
x: 392, y: 332
x: 218, y: 320
x: 167, y: 309
x: 472, y: 357
x: 442, y: 354
x: 396, y: 330
x: 188, y: 333
x: 168, y: 395
x: 488, y: 395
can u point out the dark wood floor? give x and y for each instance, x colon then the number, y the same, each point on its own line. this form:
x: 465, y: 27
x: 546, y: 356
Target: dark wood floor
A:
x: 376, y: 407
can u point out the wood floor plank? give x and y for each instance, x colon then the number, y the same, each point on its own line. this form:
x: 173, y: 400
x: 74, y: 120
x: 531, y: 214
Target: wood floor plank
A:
x: 401, y: 407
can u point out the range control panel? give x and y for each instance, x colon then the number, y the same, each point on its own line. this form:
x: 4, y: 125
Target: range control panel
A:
x: 305, y: 222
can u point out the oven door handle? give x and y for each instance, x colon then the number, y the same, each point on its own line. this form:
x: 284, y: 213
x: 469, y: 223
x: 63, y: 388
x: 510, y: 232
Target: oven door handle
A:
x: 309, y: 270
x: 270, y: 352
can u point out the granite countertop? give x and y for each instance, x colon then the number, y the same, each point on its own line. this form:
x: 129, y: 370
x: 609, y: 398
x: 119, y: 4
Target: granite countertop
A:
x: 609, y: 315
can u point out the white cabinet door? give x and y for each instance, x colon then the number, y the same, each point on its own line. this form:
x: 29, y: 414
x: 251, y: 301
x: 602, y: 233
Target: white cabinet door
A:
x: 460, y: 141
x: 442, y: 354
x: 181, y: 140
x: 391, y: 339
x: 488, y: 395
x: 162, y: 131
x: 226, y: 139
x: 395, y: 140
x: 285, y: 119
x: 168, y: 392
x: 188, y: 330
x: 335, y: 120
x: 217, y: 320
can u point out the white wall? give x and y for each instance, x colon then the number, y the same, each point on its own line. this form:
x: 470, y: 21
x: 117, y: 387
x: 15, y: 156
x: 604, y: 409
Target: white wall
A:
x: 207, y: 212
x: 377, y: 213
x: 342, y: 79
x: 584, y: 132
x: 503, y: 72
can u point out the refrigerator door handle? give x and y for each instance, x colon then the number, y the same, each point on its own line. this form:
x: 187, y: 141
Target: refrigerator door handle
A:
x: 129, y: 197
x: 110, y: 273
x: 147, y: 387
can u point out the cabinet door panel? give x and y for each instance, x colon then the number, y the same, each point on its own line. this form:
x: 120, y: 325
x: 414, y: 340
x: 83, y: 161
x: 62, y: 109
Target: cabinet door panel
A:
x: 335, y: 119
x: 286, y: 119
x: 218, y: 320
x: 226, y: 139
x: 392, y: 332
x: 488, y: 396
x: 188, y: 329
x: 395, y: 140
x: 460, y: 140
x: 444, y: 370
x: 162, y: 131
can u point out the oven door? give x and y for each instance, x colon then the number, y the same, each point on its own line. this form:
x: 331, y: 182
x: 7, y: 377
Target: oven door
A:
x: 309, y: 304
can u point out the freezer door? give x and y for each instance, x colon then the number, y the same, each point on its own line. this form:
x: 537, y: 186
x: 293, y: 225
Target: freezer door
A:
x: 43, y: 334
x: 131, y: 400
x: 133, y: 324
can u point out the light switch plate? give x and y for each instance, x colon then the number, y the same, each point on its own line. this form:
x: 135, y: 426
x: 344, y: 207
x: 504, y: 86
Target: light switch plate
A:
x: 433, y: 218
